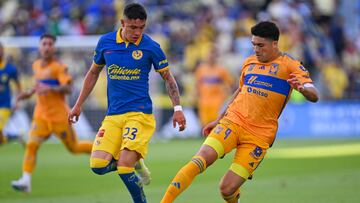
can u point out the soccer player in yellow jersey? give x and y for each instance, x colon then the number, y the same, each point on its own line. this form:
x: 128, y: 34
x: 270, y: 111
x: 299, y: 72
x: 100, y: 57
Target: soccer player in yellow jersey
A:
x: 250, y: 122
x: 8, y: 73
x: 211, y: 79
x: 128, y: 56
x: 52, y: 83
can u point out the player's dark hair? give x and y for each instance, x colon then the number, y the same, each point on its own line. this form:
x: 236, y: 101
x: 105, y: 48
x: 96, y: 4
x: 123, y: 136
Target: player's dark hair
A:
x: 46, y: 35
x: 135, y: 11
x: 266, y: 29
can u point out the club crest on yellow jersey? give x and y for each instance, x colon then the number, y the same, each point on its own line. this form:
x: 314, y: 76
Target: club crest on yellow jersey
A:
x: 137, y: 54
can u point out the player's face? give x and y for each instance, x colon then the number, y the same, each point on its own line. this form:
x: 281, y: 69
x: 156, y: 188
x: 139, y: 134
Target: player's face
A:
x: 132, y: 29
x: 264, y: 49
x: 47, y: 48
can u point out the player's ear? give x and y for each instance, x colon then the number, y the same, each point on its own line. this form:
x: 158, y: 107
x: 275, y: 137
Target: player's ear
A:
x: 122, y: 22
x: 275, y: 43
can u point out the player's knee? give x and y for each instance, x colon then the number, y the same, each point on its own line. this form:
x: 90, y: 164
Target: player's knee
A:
x: 101, y: 166
x: 228, y: 188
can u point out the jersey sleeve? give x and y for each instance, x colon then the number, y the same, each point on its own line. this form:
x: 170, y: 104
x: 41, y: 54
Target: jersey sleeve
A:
x: 64, y: 77
x: 296, y: 68
x: 159, y: 59
x: 99, y: 53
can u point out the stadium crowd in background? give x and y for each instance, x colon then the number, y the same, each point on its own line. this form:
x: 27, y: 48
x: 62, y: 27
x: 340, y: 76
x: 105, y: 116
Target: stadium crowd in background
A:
x: 324, y: 36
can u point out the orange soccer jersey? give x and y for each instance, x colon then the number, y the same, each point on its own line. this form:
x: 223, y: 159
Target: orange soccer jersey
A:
x: 213, y: 84
x: 264, y: 93
x: 51, y: 106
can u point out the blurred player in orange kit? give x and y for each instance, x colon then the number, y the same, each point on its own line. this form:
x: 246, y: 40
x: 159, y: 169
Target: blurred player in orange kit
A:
x: 250, y: 122
x: 51, y: 111
x: 211, y: 79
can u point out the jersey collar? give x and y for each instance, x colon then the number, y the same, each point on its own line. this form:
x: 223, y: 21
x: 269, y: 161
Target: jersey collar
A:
x: 120, y: 40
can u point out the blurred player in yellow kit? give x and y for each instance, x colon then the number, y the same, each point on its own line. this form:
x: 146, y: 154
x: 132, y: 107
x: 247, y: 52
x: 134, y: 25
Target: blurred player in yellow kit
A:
x: 211, y: 79
x: 51, y: 111
x: 250, y: 122
x: 8, y: 73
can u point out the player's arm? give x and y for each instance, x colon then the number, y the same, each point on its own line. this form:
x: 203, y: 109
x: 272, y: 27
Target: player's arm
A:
x: 174, y: 95
x: 307, y: 89
x: 89, y: 82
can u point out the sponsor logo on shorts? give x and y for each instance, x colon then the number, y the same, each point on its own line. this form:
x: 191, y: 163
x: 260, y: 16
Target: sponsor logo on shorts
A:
x: 101, y: 133
x: 218, y: 129
x: 256, y: 153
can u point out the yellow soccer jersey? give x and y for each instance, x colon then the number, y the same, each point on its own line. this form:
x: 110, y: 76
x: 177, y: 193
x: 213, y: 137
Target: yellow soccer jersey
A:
x: 264, y: 94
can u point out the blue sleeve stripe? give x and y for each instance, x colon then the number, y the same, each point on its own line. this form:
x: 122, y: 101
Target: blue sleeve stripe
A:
x: 51, y: 82
x: 268, y: 83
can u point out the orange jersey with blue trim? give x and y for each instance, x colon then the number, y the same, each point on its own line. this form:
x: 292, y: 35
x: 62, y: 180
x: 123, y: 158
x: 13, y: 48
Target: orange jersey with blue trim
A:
x: 264, y: 94
x: 51, y: 106
x: 212, y: 81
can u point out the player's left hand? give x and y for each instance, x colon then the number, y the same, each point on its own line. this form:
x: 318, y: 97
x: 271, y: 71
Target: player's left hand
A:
x: 74, y: 114
x: 295, y: 83
x: 179, y: 118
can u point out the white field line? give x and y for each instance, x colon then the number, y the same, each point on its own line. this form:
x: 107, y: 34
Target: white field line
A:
x: 315, y: 151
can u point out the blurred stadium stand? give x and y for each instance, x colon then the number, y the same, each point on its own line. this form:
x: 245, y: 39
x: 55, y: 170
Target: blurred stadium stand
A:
x: 323, y: 34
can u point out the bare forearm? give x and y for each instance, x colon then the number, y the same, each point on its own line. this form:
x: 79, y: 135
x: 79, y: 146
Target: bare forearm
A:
x: 172, y: 87
x: 310, y: 93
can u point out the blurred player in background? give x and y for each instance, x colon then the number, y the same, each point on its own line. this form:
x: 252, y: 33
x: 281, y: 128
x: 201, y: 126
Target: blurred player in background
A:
x: 211, y: 79
x: 123, y: 138
x: 8, y: 72
x: 51, y: 111
x: 250, y: 122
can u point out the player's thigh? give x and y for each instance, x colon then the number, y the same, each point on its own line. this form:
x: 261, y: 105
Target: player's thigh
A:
x: 109, y: 137
x: 4, y: 117
x: 40, y: 130
x: 223, y: 138
x: 248, y: 156
x: 137, y: 132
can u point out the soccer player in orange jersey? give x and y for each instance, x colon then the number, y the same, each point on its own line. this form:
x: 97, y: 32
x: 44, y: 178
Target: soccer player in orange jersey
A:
x: 250, y: 122
x: 211, y: 79
x: 51, y: 111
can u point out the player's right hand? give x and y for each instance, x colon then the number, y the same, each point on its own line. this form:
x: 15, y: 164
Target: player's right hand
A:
x: 208, y: 128
x: 74, y: 114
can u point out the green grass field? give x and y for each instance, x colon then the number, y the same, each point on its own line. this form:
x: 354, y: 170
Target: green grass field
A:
x: 293, y: 172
